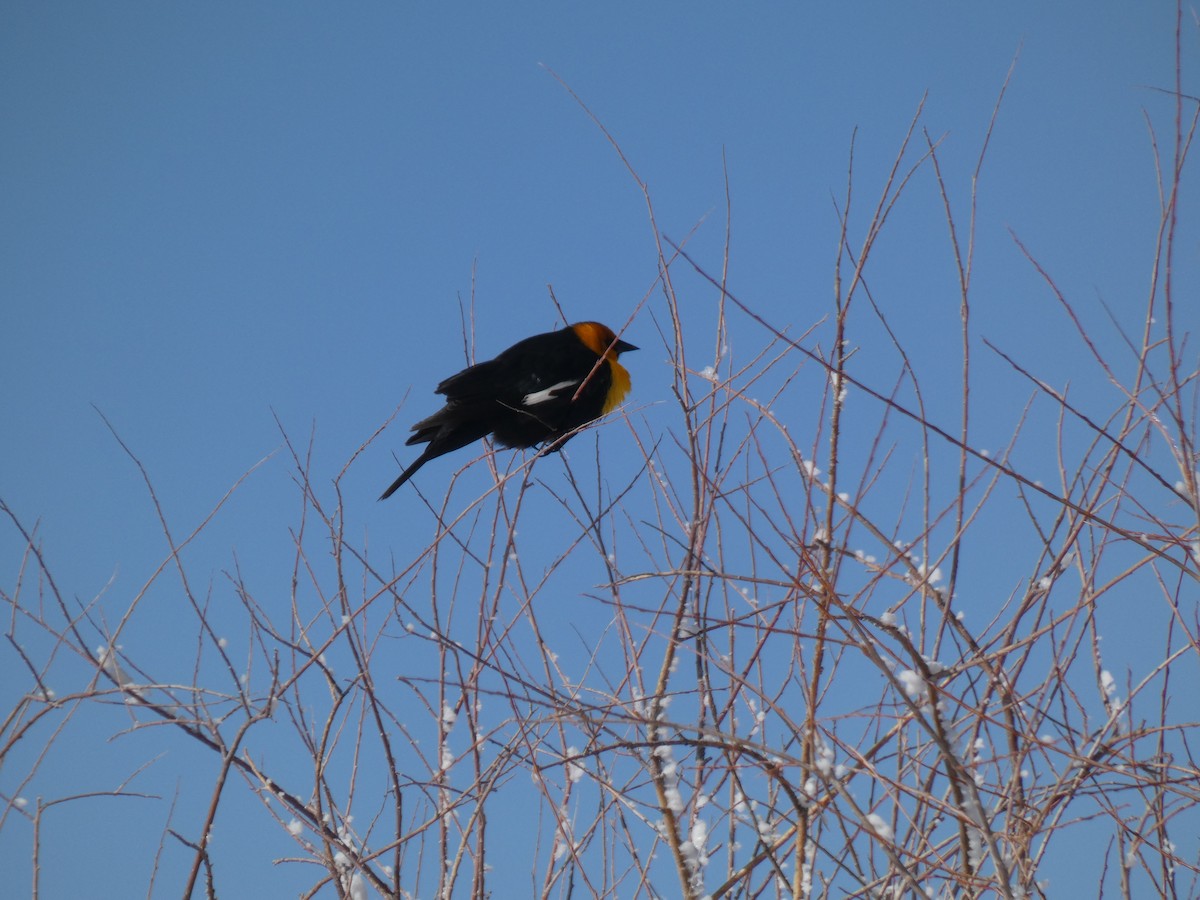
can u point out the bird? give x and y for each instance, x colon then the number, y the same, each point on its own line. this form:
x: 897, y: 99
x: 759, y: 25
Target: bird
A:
x: 539, y: 391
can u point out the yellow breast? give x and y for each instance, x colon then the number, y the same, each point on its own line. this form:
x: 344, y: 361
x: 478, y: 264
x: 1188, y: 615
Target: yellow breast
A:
x: 620, y: 386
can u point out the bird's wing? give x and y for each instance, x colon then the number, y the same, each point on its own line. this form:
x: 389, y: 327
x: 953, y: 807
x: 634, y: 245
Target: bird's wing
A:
x: 477, y: 382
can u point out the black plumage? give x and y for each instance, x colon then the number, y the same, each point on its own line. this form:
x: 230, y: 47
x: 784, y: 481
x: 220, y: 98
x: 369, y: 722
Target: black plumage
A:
x: 538, y: 391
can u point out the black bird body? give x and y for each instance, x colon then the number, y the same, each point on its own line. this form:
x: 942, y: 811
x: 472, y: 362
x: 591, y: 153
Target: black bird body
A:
x: 538, y: 391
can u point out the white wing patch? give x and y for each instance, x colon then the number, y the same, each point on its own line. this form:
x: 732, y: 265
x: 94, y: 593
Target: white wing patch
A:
x: 545, y: 394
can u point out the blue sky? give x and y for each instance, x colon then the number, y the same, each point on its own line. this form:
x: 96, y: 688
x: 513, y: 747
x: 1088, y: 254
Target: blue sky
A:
x: 215, y: 214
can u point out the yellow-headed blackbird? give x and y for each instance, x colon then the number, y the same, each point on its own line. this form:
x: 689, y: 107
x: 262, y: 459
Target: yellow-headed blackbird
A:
x: 539, y: 390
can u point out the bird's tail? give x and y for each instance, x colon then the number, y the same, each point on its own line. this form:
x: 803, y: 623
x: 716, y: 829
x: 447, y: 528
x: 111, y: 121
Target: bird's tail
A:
x: 407, y: 474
